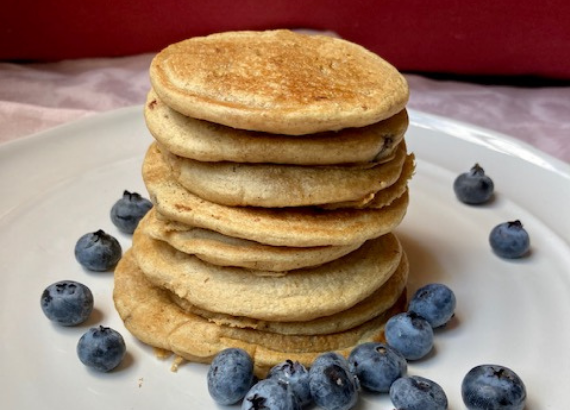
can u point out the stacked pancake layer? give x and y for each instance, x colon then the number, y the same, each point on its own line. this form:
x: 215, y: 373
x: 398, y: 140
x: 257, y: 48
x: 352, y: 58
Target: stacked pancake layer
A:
x: 278, y: 175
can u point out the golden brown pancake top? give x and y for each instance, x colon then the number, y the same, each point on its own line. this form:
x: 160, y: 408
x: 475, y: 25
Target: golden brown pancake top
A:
x: 278, y: 82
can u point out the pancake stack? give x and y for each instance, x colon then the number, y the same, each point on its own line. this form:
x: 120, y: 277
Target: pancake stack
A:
x: 278, y: 175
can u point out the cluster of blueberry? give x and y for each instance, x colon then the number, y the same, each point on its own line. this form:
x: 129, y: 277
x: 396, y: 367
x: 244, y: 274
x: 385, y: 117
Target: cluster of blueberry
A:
x: 508, y: 239
x: 409, y: 336
x: 485, y: 387
x: 99, y: 251
x: 333, y: 382
x: 70, y: 303
x: 411, y: 332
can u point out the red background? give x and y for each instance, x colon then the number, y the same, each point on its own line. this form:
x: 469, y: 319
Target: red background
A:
x: 485, y: 37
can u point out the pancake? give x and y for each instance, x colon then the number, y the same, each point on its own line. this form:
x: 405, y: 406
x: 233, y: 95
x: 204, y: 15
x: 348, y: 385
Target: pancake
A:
x: 210, y: 142
x: 295, y: 227
x: 384, y: 197
x: 374, y: 305
x: 150, y: 315
x: 277, y: 186
x: 299, y: 295
x: 223, y: 250
x: 278, y: 82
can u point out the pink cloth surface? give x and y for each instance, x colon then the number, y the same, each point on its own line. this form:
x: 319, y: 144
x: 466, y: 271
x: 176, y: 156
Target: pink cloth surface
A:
x: 37, y: 97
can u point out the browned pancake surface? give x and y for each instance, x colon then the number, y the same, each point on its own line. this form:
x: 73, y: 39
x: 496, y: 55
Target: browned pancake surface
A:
x: 278, y: 82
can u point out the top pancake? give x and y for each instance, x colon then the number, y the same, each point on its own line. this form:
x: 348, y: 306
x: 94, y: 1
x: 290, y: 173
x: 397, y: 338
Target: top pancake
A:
x: 278, y: 82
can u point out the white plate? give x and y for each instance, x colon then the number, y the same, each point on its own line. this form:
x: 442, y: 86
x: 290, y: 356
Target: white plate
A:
x: 60, y: 184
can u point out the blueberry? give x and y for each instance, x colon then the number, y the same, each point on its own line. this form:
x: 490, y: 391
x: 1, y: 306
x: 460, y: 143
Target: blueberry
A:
x: 98, y: 251
x: 67, y: 302
x: 493, y: 387
x: 332, y: 385
x: 509, y: 240
x: 417, y: 393
x: 101, y: 348
x: 297, y: 376
x: 270, y: 394
x: 377, y: 365
x: 410, y: 334
x: 434, y: 302
x: 474, y: 187
x: 230, y: 376
x: 129, y: 210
